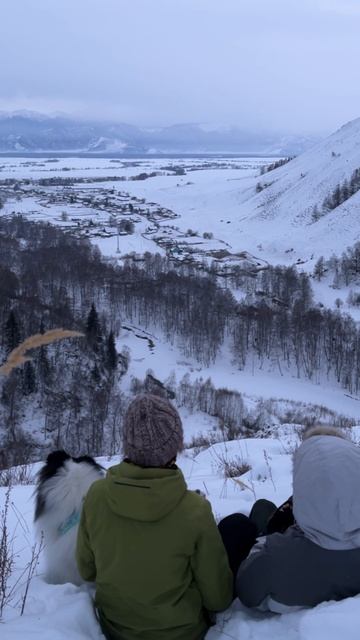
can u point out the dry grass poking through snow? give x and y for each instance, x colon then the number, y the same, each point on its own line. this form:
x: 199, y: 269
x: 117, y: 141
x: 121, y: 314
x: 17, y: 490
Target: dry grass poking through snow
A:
x: 232, y: 467
x: 18, y: 356
x: 235, y: 467
x: 16, y: 475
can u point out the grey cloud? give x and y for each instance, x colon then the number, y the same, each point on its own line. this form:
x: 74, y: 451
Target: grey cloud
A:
x: 276, y: 64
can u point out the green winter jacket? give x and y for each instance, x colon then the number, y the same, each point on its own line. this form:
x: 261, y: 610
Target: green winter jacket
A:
x: 155, y: 553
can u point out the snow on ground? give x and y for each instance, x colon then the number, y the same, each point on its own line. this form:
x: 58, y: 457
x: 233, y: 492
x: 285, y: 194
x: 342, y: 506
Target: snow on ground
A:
x: 163, y: 359
x: 325, y: 293
x: 64, y: 612
x: 205, y: 200
x: 37, y: 168
x: 123, y: 244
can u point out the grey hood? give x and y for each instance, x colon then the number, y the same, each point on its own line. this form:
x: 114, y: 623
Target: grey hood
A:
x: 326, y: 492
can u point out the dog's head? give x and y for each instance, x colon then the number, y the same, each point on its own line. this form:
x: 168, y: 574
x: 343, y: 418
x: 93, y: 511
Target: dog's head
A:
x: 54, y: 462
x: 55, y: 465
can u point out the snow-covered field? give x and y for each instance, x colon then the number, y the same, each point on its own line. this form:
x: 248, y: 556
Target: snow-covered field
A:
x: 219, y: 195
x: 164, y: 359
x: 65, y: 611
x: 204, y: 199
x: 213, y: 196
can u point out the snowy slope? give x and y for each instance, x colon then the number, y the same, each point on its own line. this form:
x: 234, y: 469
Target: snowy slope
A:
x: 287, y: 204
x: 276, y: 223
x: 164, y: 358
x: 64, y: 612
x: 308, y: 179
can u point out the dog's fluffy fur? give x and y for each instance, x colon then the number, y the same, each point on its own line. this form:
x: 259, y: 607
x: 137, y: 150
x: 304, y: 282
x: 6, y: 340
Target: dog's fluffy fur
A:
x: 61, y: 488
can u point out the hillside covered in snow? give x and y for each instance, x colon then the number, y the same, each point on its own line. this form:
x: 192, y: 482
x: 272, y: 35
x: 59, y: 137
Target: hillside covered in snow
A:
x: 232, y: 475
x: 292, y: 199
x: 272, y: 215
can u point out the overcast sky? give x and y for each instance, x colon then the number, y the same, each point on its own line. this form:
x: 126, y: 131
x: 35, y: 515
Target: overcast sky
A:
x: 280, y: 65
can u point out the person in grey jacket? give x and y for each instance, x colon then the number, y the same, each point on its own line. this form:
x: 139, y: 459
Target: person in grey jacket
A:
x: 318, y: 558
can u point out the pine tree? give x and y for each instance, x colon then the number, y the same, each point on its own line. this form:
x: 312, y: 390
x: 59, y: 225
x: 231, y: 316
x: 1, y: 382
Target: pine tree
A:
x: 11, y: 333
x: 111, y: 357
x: 95, y: 374
x: 355, y: 181
x: 29, y: 379
x: 336, y: 199
x: 305, y: 291
x: 315, y: 216
x: 319, y: 269
x: 345, y: 191
x: 43, y: 366
x: 93, y: 331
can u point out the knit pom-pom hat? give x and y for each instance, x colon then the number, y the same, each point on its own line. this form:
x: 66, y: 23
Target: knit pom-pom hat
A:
x: 152, y: 431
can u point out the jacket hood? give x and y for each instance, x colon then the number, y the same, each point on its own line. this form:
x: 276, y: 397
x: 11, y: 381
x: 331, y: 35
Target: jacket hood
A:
x: 326, y: 491
x: 142, y: 494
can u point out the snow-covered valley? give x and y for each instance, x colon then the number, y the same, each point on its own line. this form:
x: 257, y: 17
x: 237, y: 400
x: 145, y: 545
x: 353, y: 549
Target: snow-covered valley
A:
x: 207, y: 212
x: 253, y: 233
x: 269, y: 215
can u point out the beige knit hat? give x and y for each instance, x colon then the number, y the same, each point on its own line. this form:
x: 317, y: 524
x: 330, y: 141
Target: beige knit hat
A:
x: 152, y: 431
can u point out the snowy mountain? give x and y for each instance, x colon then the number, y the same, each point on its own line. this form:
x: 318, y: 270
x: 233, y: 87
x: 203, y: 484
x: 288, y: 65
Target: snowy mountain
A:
x: 33, y: 132
x: 284, y: 200
x: 308, y: 179
x: 29, y: 132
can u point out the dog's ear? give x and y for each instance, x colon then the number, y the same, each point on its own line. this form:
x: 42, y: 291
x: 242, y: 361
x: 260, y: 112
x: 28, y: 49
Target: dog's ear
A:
x: 54, y: 462
x: 89, y: 460
x: 57, y: 458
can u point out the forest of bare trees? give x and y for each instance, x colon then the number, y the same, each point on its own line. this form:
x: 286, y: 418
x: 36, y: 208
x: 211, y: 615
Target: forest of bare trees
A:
x: 70, y: 394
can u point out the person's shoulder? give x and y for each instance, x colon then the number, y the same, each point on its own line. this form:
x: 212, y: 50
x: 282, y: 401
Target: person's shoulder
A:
x: 196, y: 498
x: 291, y: 541
x: 195, y: 505
x: 96, y: 490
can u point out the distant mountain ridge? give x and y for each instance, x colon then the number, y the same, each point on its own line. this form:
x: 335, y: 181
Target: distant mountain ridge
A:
x: 28, y: 131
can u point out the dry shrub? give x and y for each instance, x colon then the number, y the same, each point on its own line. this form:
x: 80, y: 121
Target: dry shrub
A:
x: 201, y: 442
x: 7, y: 555
x: 16, y: 475
x: 232, y: 467
x: 235, y: 467
x: 10, y: 579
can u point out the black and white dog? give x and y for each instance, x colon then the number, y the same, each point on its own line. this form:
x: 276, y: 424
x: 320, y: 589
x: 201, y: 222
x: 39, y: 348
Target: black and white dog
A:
x: 62, y: 485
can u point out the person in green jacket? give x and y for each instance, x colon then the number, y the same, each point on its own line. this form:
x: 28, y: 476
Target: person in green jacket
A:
x: 152, y: 546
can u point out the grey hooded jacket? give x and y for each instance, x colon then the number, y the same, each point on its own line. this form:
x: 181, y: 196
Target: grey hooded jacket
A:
x: 318, y: 559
